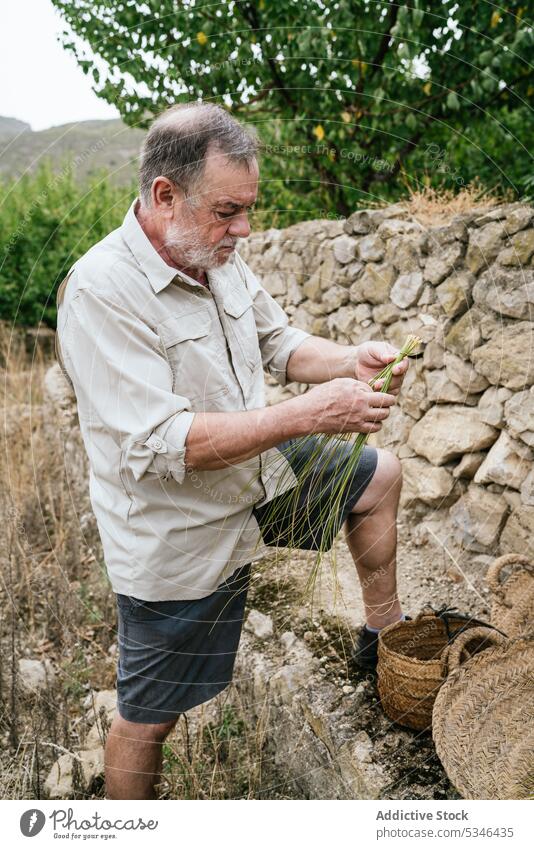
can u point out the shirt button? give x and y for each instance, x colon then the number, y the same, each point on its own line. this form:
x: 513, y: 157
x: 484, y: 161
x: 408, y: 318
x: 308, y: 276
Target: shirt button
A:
x: 157, y: 444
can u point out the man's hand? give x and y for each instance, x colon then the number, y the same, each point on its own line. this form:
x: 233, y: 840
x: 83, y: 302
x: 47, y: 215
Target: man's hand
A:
x: 371, y: 357
x: 344, y: 405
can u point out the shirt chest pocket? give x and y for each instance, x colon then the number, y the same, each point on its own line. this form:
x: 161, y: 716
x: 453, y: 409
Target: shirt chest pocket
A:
x: 239, y: 310
x: 195, y: 356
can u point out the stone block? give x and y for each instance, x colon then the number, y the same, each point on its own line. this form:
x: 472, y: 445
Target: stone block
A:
x: 454, y: 294
x: 446, y: 433
x: 371, y: 248
x: 519, y: 415
x: 334, y: 297
x: 518, y: 533
x: 507, y: 463
x: 359, y: 223
x: 469, y: 465
x: 407, y: 289
x: 405, y: 252
x: 519, y: 250
x: 441, y: 265
x: 344, y: 249
x: 518, y: 219
x: 465, y: 334
x: 441, y: 390
x: 433, y: 485
x: 491, y: 405
x: 386, y: 313
x: 484, y: 245
x: 506, y: 291
x: 464, y: 375
x: 507, y: 359
x: 374, y: 284
x: 433, y: 356
x: 477, y: 519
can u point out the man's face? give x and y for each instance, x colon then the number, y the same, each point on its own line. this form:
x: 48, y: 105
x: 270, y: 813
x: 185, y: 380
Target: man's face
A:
x: 206, y: 226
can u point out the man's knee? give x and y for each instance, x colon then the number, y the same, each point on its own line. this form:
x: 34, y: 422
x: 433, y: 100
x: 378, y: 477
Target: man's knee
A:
x: 385, y: 485
x: 393, y: 470
x: 147, y: 732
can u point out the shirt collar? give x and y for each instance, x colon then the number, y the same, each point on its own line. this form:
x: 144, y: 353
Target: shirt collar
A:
x: 156, y: 269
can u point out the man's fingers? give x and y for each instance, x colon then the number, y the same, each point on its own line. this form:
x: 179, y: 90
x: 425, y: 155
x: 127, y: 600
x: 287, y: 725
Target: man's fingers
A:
x: 401, y: 367
x: 381, y: 399
x: 379, y: 415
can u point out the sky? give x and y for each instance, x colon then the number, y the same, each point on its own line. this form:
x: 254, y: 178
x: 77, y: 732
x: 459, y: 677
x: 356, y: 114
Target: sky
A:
x: 41, y: 82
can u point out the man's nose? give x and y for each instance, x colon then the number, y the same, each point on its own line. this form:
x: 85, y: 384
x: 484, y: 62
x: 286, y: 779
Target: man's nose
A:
x: 239, y: 226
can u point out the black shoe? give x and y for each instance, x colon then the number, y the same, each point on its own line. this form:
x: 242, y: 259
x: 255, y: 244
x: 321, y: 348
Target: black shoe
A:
x: 365, y: 652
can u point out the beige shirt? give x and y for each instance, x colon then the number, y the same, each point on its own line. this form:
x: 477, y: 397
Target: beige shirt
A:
x: 146, y: 347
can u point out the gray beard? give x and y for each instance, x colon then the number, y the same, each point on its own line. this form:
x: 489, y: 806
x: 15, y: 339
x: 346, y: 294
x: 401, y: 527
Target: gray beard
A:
x: 190, y: 252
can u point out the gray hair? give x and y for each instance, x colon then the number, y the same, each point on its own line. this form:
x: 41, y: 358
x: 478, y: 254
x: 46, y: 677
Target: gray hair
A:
x: 179, y: 140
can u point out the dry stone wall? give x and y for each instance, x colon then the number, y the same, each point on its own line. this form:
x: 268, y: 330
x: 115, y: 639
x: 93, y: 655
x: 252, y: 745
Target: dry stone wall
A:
x: 464, y: 425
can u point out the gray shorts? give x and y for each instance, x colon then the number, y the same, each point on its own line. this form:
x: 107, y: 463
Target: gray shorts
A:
x: 174, y: 655
x: 306, y: 521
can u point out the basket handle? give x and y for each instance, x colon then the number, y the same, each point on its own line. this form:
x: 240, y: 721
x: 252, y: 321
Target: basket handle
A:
x: 493, y: 576
x: 446, y: 613
x: 456, y: 652
x: 426, y: 611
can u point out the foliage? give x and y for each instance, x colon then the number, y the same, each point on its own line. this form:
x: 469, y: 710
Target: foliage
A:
x: 352, y: 93
x: 47, y: 221
x: 500, y: 164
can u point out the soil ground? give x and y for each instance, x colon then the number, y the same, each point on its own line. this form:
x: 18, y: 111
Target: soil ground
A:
x: 432, y: 571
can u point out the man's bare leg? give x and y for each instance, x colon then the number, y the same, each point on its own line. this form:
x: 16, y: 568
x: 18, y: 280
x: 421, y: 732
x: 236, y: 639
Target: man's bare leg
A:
x: 371, y: 533
x: 133, y: 758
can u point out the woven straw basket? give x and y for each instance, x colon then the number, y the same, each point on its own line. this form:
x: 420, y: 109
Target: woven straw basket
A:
x: 410, y: 666
x: 483, y: 720
x: 512, y: 607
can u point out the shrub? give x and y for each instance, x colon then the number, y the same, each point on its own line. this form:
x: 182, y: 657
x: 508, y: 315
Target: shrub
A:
x: 47, y: 221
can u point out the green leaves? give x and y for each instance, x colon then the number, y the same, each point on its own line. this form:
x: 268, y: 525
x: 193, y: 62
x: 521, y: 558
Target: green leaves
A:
x: 47, y: 221
x: 299, y: 65
x: 452, y: 101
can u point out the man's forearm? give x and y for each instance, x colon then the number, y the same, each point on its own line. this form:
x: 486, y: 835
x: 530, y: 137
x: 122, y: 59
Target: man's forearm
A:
x: 216, y: 440
x: 317, y: 360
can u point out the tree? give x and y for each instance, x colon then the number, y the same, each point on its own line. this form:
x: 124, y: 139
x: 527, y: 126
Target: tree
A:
x: 348, y: 95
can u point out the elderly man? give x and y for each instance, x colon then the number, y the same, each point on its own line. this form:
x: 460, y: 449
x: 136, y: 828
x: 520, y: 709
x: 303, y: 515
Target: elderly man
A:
x: 165, y: 332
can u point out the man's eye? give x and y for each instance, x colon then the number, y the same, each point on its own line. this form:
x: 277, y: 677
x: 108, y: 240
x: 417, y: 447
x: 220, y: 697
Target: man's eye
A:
x: 220, y: 214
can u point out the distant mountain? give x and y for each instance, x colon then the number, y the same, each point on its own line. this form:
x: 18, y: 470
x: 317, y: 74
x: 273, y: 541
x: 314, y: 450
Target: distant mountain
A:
x: 12, y: 127
x: 89, y: 145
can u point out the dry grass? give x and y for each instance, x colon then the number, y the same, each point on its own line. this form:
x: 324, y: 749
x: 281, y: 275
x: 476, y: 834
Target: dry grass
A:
x: 433, y: 207
x: 217, y: 752
x: 40, y: 617
x: 57, y: 604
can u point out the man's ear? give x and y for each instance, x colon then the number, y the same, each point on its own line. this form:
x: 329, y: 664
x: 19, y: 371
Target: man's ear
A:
x: 165, y: 194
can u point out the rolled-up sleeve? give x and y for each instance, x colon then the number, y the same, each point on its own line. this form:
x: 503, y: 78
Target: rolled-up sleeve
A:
x: 278, y: 340
x: 122, y: 377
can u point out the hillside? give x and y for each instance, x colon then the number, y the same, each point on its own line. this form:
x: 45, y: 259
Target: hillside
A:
x: 10, y: 127
x: 90, y: 145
